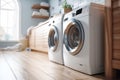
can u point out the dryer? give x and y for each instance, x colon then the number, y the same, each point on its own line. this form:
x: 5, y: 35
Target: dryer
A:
x: 83, y: 39
x: 55, y: 39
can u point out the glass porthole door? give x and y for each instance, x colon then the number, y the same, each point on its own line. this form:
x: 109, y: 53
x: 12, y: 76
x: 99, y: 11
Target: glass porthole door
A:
x: 74, y: 37
x: 53, y: 38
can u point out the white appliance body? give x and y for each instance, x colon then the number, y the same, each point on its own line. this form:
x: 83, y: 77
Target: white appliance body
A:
x: 83, y: 48
x: 55, y: 39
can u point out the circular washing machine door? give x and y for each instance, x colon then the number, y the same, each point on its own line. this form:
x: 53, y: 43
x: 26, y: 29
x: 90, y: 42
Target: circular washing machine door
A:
x: 74, y: 37
x: 53, y: 38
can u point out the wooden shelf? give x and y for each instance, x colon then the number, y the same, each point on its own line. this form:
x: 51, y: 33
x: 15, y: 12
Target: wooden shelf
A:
x: 39, y: 16
x: 38, y: 6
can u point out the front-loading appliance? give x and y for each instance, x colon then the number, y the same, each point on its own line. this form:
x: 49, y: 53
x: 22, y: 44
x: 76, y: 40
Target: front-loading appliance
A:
x: 55, y: 39
x: 83, y: 38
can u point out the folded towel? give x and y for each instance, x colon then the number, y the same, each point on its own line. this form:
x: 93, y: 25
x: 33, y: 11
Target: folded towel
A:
x: 44, y: 4
x: 36, y: 13
x: 44, y: 12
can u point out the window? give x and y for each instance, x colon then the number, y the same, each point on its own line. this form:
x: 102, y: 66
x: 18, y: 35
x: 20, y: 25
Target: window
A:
x: 9, y: 20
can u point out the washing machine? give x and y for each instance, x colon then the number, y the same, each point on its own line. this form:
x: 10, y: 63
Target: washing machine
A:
x: 83, y: 45
x: 55, y: 39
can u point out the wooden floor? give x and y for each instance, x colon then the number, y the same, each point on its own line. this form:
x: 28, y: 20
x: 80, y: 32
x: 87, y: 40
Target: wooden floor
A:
x: 36, y: 66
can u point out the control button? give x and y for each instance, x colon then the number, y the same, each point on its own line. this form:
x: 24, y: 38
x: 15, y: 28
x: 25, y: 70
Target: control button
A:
x: 49, y: 25
x: 73, y: 14
x: 66, y: 19
x: 53, y: 21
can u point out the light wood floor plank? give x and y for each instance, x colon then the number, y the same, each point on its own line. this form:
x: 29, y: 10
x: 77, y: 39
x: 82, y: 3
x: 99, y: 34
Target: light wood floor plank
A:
x: 36, y: 66
x: 5, y: 71
x: 24, y: 68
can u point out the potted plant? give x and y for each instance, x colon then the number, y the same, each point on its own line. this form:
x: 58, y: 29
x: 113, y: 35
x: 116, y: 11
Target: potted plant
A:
x: 67, y: 7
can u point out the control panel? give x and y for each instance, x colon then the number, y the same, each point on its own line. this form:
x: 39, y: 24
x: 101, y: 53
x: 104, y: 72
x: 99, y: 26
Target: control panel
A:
x: 82, y: 10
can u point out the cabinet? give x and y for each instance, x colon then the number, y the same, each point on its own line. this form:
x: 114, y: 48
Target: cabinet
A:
x: 39, y: 38
x: 112, y: 38
x: 42, y: 38
x: 38, y: 6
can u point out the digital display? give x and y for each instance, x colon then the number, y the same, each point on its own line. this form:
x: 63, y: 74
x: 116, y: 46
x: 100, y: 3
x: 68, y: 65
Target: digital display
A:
x: 79, y: 11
